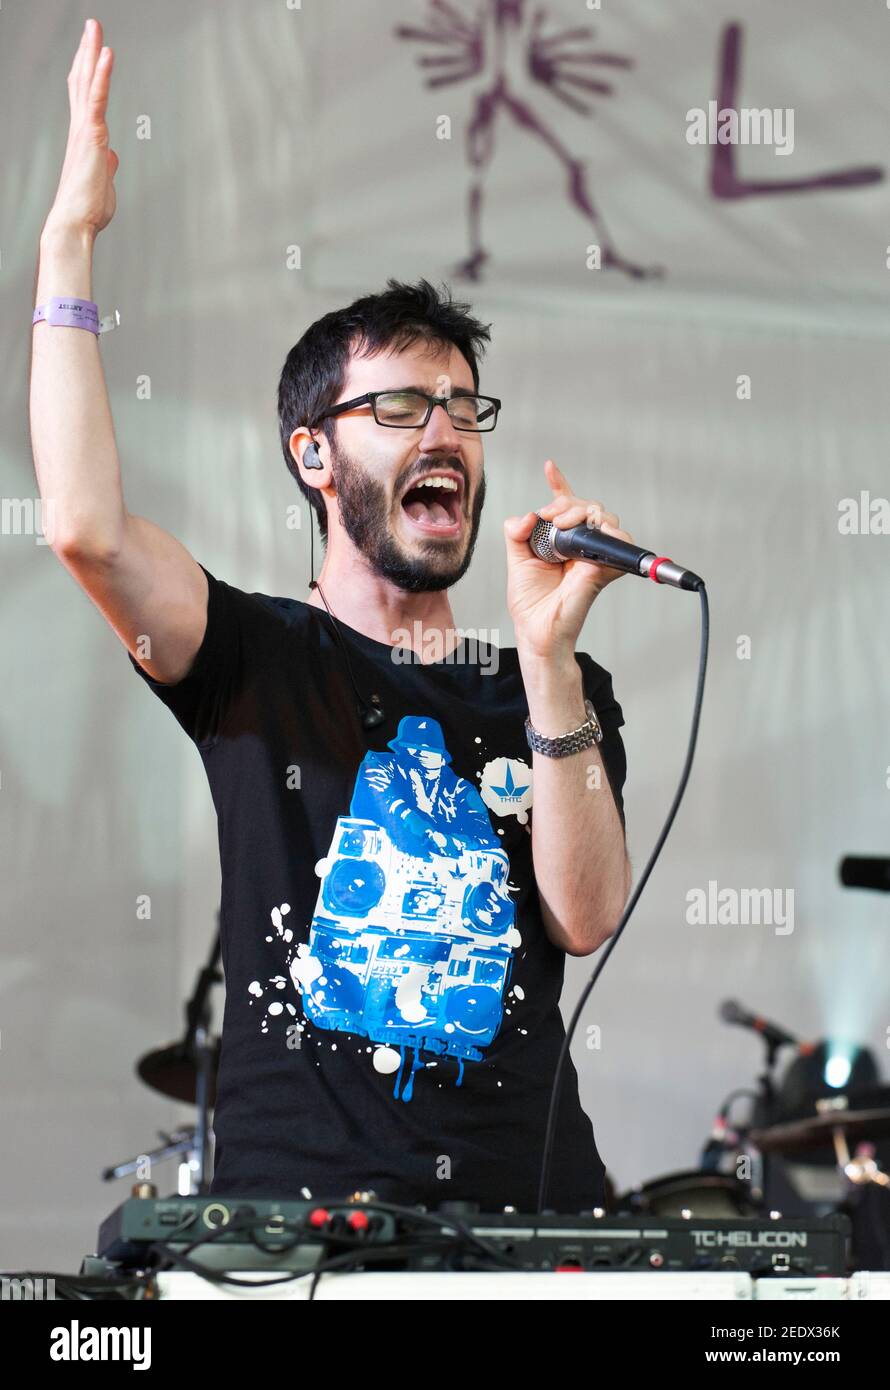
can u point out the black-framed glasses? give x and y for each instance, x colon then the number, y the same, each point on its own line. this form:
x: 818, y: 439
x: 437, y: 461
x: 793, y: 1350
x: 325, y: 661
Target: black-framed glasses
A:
x: 408, y: 410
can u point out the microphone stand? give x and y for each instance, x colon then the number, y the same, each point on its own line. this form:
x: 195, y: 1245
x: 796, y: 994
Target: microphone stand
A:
x: 198, y: 1048
x: 763, y: 1109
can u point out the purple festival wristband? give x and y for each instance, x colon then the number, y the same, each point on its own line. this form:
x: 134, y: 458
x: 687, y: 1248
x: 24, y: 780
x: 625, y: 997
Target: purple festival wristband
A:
x: 62, y: 311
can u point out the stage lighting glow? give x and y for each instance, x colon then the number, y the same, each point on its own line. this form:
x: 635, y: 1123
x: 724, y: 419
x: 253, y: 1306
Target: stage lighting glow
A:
x: 838, y: 1065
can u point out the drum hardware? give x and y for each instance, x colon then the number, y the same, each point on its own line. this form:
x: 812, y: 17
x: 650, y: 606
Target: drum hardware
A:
x: 170, y: 1070
x: 858, y: 1116
x: 186, y: 1071
x: 692, y: 1193
x: 180, y: 1144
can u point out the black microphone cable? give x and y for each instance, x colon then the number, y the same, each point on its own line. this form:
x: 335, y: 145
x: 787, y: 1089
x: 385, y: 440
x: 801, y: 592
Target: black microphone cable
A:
x: 372, y: 713
x: 632, y: 901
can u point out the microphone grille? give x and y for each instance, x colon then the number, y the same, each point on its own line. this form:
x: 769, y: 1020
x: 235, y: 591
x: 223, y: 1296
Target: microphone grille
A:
x: 540, y: 541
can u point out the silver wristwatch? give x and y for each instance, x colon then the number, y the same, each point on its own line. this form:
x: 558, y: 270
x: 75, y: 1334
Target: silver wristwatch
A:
x: 586, y: 734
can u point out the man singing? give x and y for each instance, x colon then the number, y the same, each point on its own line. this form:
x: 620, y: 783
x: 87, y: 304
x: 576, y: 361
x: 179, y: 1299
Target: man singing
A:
x: 411, y: 841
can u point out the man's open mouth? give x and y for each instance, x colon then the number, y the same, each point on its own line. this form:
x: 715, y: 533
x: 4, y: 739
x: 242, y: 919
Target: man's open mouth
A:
x: 434, y: 504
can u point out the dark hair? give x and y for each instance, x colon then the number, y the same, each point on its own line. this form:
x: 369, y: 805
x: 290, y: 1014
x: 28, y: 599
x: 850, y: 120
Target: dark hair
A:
x: 315, y: 370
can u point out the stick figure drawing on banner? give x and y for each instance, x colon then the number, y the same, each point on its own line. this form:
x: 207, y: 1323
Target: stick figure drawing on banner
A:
x: 503, y: 43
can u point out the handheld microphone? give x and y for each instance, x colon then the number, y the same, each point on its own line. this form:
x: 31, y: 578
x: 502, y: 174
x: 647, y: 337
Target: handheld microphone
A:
x: 732, y: 1012
x: 556, y: 544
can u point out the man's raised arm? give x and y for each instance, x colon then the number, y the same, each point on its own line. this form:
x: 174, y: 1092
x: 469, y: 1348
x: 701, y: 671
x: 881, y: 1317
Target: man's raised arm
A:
x: 143, y: 581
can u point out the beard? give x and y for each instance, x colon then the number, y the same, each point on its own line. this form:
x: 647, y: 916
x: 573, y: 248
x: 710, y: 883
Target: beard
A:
x: 365, y: 513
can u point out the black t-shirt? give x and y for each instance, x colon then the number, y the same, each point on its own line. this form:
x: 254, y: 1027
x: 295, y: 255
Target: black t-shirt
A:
x: 392, y: 1000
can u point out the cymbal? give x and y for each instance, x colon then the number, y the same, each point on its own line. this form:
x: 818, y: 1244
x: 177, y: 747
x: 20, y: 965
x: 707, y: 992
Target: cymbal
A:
x: 171, y: 1072
x: 863, y: 1114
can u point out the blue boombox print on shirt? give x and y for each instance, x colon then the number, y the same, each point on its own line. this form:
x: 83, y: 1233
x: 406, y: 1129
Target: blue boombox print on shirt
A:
x: 412, y: 937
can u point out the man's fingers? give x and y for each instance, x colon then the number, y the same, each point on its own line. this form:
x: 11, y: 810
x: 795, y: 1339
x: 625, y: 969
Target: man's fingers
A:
x: 556, y: 478
x: 618, y: 534
x: 517, y: 530
x: 568, y: 511
x: 570, y: 515
x: 566, y: 499
x: 86, y: 58
x: 98, y: 98
x: 85, y: 62
x: 598, y: 516
x: 566, y: 503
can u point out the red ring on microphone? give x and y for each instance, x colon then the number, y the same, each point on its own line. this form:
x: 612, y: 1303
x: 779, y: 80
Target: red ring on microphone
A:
x: 653, y: 568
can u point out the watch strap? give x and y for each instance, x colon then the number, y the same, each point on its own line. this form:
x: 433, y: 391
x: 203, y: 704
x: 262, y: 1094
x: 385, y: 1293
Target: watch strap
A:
x: 574, y: 741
